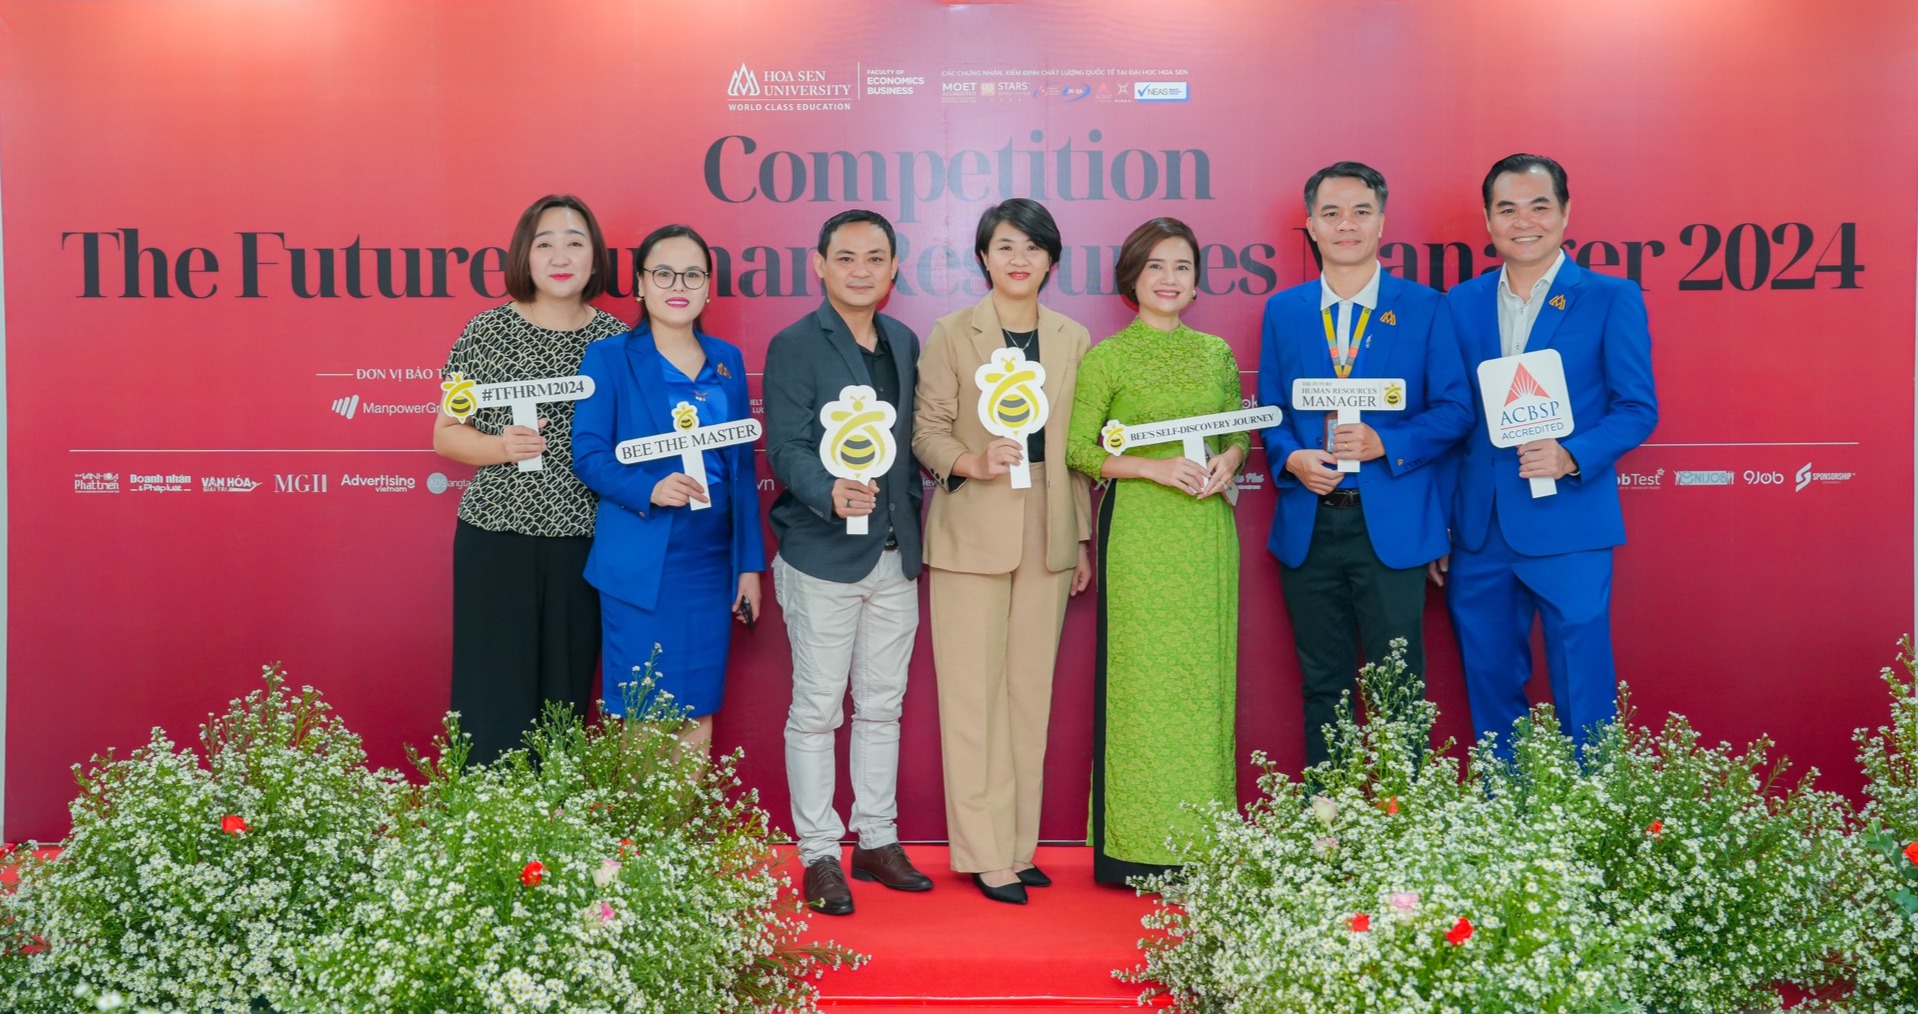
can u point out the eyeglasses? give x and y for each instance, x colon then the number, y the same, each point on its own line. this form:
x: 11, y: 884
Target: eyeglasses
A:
x: 666, y: 277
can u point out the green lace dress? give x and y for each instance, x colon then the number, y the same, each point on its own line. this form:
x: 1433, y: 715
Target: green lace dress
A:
x: 1168, y: 586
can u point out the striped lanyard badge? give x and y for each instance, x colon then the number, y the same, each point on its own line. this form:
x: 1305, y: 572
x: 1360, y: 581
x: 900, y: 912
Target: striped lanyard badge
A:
x: 1346, y: 356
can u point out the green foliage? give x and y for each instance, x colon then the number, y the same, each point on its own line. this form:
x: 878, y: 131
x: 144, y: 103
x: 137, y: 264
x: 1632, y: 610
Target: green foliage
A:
x: 1884, y: 895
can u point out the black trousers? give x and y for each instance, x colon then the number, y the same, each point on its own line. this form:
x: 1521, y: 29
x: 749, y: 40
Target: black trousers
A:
x: 1340, y: 597
x: 525, y: 631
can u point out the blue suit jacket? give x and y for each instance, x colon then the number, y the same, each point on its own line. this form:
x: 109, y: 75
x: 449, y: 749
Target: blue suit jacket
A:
x: 629, y: 400
x: 1597, y: 324
x: 1404, y: 512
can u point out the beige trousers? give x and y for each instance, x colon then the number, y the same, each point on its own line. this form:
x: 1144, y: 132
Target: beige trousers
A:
x: 995, y: 638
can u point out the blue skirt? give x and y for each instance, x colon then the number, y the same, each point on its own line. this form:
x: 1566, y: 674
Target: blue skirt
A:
x: 691, y: 623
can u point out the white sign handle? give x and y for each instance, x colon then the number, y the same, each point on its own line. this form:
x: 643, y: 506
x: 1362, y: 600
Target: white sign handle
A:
x: 693, y: 463
x: 1544, y: 485
x: 526, y: 413
x: 1021, y: 474
x: 856, y: 525
x: 1348, y: 416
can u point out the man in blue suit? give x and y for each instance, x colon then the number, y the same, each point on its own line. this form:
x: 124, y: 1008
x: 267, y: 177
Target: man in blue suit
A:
x: 1514, y: 556
x: 1353, y: 546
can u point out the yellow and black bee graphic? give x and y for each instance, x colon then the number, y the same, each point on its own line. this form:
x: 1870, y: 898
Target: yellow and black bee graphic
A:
x: 685, y: 416
x: 1113, y: 436
x: 1394, y: 393
x: 458, y: 401
x: 1014, y: 402
x: 858, y: 440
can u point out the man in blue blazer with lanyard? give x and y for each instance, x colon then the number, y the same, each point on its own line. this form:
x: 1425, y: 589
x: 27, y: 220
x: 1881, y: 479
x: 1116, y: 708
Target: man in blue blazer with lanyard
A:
x: 1353, y: 546
x: 851, y: 602
x: 1514, y: 556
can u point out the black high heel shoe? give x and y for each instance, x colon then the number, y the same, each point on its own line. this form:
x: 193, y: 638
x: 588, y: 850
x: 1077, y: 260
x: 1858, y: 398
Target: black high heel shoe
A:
x: 1033, y: 876
x: 1011, y: 894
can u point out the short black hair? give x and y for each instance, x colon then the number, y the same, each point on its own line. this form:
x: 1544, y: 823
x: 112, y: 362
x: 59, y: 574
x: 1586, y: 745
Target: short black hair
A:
x: 1137, y: 249
x: 519, y: 252
x: 666, y: 232
x: 1345, y: 170
x: 1027, y: 216
x: 854, y: 217
x: 1523, y: 163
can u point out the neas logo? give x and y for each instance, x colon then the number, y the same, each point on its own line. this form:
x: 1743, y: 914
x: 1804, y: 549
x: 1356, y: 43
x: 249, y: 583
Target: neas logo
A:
x: 299, y: 483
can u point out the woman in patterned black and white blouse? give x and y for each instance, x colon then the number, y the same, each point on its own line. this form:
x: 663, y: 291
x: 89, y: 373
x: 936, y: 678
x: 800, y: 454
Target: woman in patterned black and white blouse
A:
x: 525, y: 622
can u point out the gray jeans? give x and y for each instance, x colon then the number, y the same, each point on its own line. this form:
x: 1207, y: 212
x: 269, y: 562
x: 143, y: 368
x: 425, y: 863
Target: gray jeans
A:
x: 859, y: 632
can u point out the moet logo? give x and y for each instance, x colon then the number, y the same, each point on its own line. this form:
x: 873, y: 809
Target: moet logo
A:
x: 299, y: 483
x: 745, y: 84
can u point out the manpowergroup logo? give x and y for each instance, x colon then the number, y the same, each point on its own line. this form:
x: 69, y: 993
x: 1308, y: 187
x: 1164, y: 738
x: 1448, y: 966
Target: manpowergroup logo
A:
x: 1804, y: 477
x: 352, y: 406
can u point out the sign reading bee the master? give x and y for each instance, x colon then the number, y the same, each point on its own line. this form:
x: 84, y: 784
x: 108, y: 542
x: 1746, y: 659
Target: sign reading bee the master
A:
x: 857, y: 443
x: 523, y: 397
x: 1012, y: 403
x: 690, y: 441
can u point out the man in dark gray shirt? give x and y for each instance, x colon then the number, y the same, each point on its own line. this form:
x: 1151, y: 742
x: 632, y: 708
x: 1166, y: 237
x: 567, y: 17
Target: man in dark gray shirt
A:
x: 851, y: 602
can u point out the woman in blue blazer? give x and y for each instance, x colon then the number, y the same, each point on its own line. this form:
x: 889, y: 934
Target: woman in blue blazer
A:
x: 668, y: 574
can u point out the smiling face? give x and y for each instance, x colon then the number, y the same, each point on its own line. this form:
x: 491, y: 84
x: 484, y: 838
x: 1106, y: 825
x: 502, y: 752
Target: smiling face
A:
x: 1347, y: 221
x: 676, y: 304
x: 1169, y: 279
x: 857, y: 266
x: 561, y: 257
x: 1017, y: 265
x: 1525, y: 219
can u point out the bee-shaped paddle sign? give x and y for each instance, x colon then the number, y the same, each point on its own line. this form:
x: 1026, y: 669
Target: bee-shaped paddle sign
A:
x: 1012, y: 402
x: 857, y: 444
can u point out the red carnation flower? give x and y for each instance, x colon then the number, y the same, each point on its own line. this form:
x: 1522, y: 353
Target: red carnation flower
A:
x: 1460, y: 932
x: 1390, y: 806
x: 1656, y: 826
x: 234, y: 824
x: 1361, y: 923
x: 1911, y: 853
x: 532, y: 873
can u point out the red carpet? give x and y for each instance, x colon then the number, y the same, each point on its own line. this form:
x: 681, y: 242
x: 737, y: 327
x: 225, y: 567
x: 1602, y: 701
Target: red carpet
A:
x: 951, y: 947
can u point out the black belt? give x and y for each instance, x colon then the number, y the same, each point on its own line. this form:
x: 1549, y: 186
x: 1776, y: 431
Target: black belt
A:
x: 1340, y: 498
x: 892, y: 540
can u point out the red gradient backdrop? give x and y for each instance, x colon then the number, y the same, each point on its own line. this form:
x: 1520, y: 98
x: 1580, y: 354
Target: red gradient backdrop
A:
x: 312, y: 185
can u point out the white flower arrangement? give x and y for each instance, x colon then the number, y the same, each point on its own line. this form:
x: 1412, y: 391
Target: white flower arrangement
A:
x: 1885, y: 896
x: 602, y: 870
x: 188, y: 883
x: 1649, y: 875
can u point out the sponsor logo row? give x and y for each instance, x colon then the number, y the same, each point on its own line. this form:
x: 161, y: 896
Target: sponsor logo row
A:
x: 752, y: 87
x: 277, y: 482
x: 1804, y: 478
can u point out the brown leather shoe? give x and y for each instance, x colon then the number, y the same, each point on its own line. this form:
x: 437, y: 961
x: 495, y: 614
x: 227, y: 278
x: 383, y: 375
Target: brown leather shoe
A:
x: 888, y: 865
x: 826, y: 889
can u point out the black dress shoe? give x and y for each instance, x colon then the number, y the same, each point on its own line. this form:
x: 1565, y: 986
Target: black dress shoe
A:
x: 825, y: 888
x: 1033, y: 876
x: 888, y: 866
x: 1012, y: 894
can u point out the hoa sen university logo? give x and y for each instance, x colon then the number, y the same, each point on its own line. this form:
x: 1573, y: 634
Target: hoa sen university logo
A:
x: 744, y: 85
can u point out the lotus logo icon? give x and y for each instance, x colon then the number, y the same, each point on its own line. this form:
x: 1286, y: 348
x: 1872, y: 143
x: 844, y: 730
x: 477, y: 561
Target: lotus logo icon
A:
x: 745, y: 84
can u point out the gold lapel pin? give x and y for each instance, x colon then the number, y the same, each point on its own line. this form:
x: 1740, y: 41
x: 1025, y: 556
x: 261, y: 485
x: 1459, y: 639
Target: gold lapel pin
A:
x: 723, y: 371
x: 1558, y: 301
x: 1388, y: 317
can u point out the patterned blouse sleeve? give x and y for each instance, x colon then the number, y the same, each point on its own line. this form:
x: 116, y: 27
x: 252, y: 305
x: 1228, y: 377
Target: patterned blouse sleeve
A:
x: 1231, y: 398
x: 1091, y: 400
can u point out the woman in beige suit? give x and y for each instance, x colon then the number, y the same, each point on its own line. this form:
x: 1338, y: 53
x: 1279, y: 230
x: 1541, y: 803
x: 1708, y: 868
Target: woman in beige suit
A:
x: 1003, y: 560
